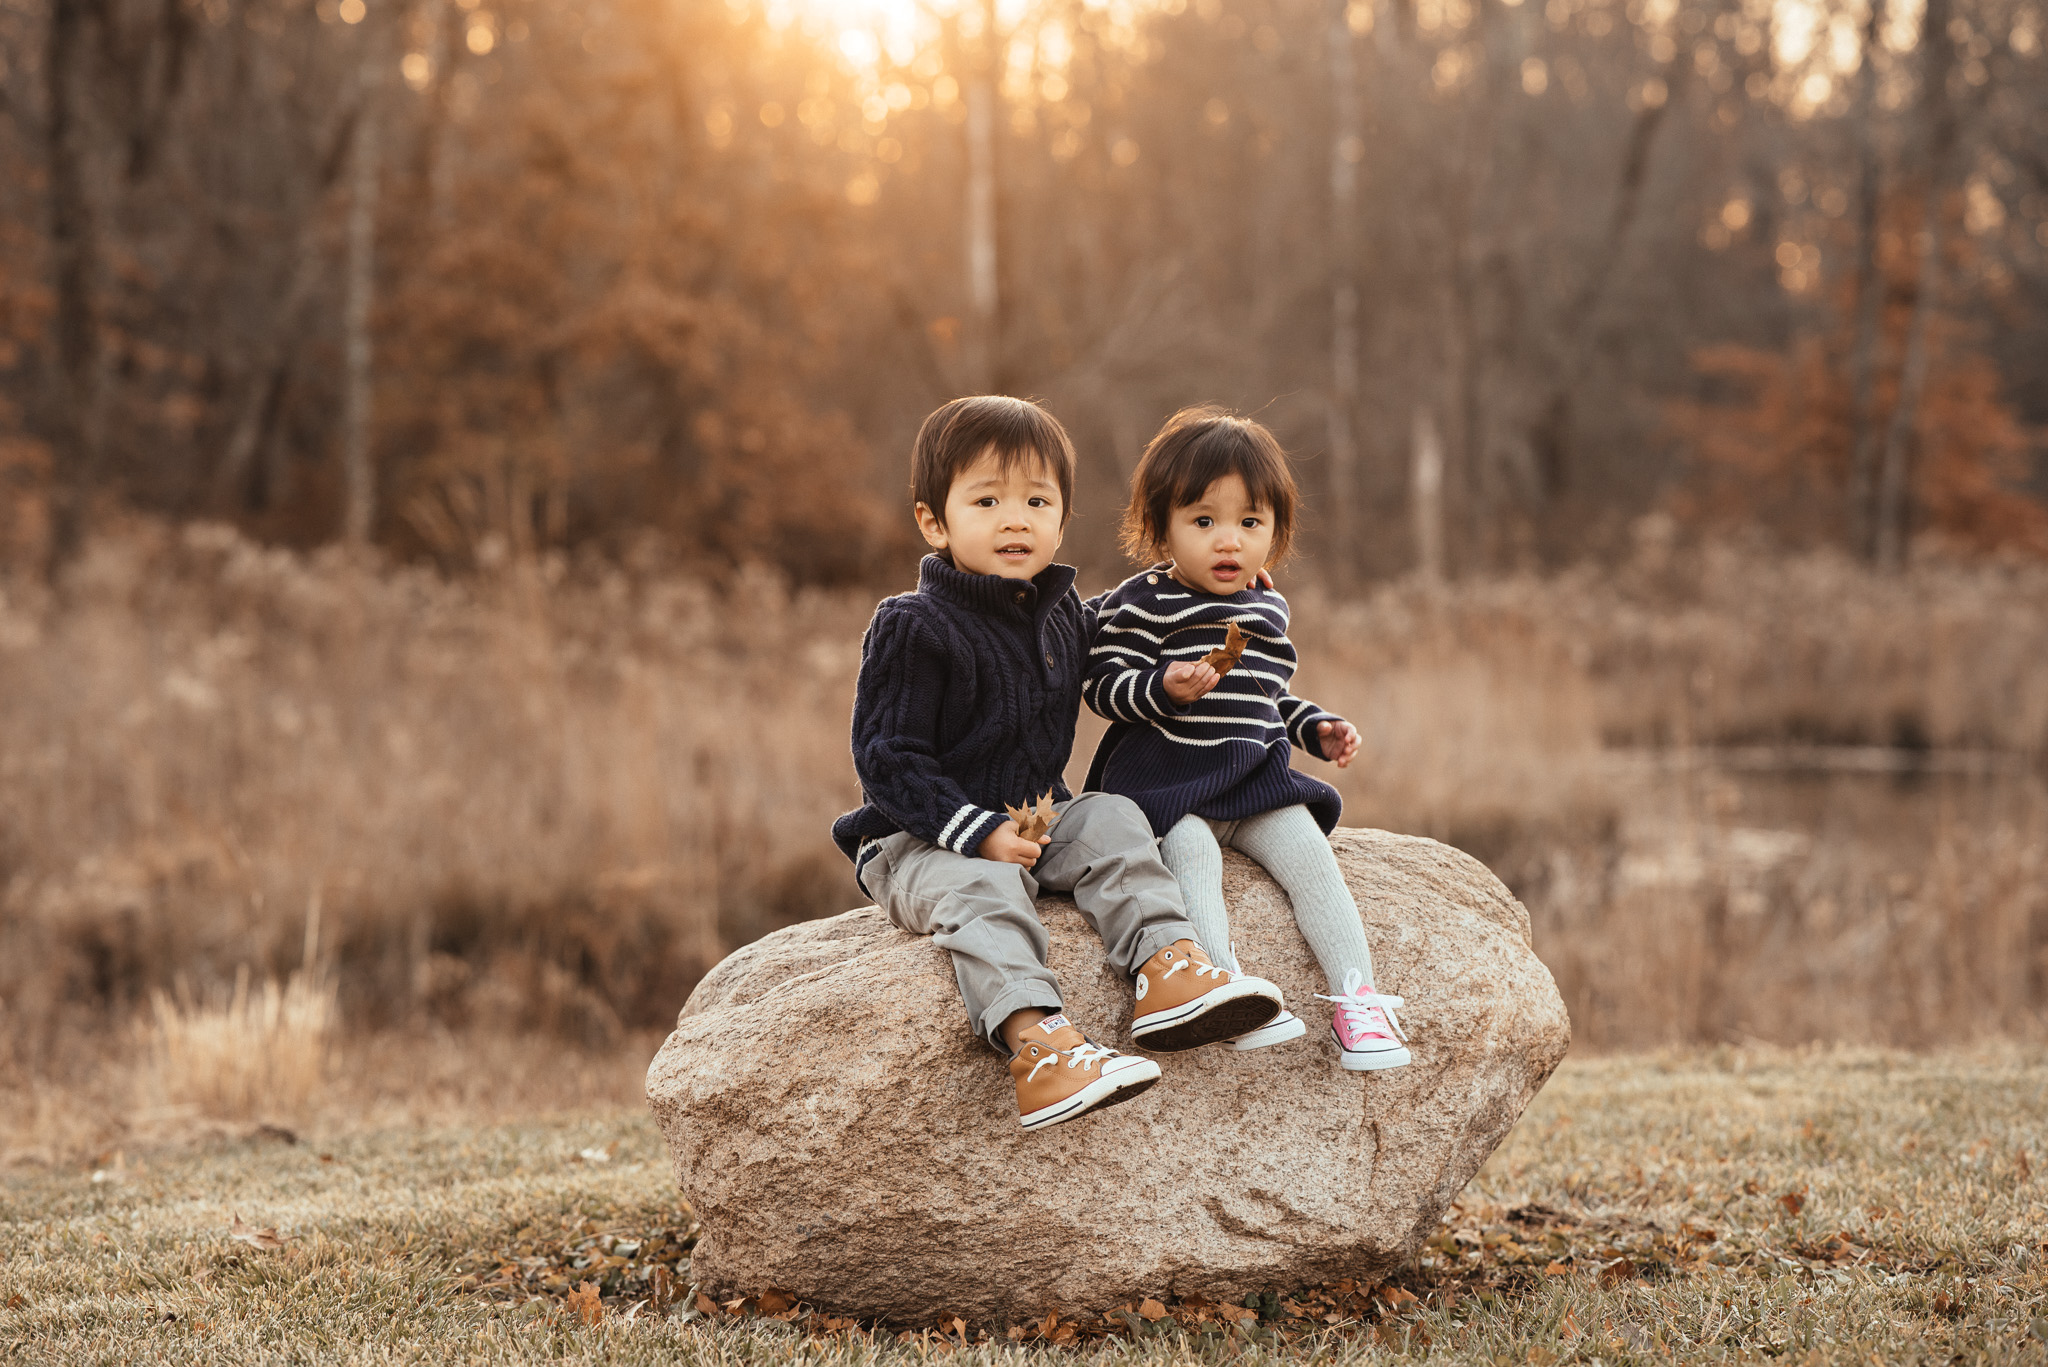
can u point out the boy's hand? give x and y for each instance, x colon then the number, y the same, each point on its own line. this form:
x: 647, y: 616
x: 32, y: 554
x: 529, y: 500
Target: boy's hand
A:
x: 1006, y: 846
x: 1186, y: 681
x: 1339, y: 740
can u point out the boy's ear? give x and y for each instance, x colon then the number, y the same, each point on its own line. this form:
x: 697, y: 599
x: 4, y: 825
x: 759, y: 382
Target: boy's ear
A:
x: 930, y: 524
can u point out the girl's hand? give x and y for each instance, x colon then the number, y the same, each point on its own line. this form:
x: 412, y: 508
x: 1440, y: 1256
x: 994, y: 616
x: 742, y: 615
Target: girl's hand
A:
x: 1339, y: 740
x: 1264, y: 577
x: 1006, y: 846
x: 1188, y: 680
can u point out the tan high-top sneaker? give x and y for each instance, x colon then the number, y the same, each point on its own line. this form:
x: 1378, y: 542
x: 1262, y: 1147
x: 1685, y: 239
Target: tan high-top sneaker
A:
x: 1185, y: 1001
x: 1062, y: 1076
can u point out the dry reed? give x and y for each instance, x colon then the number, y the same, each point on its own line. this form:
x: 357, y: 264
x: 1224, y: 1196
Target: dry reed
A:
x: 243, y: 1053
x: 546, y: 797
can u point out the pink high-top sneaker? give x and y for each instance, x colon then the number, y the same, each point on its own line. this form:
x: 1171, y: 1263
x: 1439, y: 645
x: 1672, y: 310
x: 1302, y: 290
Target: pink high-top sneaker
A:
x: 1368, y: 1036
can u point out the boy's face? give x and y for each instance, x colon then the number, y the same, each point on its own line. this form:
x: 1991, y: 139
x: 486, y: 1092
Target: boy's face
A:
x: 1220, y: 542
x: 997, y: 523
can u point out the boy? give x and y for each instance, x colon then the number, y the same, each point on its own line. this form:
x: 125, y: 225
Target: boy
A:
x: 968, y: 692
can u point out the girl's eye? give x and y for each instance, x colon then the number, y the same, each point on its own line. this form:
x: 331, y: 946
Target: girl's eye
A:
x: 1040, y: 502
x: 984, y: 502
x: 1251, y: 522
x: 1205, y: 521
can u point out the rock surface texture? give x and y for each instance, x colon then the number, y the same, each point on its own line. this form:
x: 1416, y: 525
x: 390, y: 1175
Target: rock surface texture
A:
x: 842, y: 1136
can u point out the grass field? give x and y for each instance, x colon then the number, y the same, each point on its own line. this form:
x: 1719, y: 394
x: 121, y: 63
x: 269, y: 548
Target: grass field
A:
x: 1710, y: 1206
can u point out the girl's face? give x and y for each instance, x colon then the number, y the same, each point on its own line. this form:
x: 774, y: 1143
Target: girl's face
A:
x: 1220, y: 542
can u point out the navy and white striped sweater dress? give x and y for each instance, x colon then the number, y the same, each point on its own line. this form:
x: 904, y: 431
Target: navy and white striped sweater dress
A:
x: 1225, y: 755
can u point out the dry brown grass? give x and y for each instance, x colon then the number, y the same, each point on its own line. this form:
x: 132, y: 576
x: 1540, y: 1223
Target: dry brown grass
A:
x: 545, y: 797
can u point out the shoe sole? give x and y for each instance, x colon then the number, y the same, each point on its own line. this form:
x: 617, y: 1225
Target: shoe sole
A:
x: 1205, y: 1020
x: 1373, y: 1063
x: 1269, y: 1035
x: 1099, y: 1095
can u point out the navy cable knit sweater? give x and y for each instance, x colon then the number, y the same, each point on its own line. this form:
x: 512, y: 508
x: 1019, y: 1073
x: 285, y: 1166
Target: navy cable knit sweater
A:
x: 967, y: 697
x: 1223, y: 756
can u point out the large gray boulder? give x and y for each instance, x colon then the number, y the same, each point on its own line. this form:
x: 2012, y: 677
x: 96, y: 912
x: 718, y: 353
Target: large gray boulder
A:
x: 841, y: 1136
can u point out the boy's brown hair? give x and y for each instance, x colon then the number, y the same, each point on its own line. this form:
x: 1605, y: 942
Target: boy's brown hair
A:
x: 955, y: 436
x: 1197, y: 447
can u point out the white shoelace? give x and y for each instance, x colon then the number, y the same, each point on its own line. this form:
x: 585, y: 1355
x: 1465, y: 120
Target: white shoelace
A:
x: 1365, y: 1011
x: 1212, y: 971
x: 1080, y: 1056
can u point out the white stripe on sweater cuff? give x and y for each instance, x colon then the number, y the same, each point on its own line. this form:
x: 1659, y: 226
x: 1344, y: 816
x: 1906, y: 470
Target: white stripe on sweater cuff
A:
x: 946, y: 836
x: 970, y: 837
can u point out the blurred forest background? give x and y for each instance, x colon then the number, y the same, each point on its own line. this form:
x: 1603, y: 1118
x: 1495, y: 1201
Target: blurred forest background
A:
x: 401, y: 401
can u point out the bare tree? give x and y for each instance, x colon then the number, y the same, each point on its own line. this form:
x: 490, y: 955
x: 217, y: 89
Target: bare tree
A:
x: 1426, y: 496
x: 359, y: 475
x: 75, y: 256
x: 1870, y: 286
x: 1938, y: 119
x: 1347, y: 148
x: 984, y: 333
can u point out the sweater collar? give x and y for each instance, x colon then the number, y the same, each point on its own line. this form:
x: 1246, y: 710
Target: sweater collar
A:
x: 992, y: 593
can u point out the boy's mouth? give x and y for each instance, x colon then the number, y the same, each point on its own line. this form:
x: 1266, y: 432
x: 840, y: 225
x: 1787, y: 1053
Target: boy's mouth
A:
x: 1015, y: 551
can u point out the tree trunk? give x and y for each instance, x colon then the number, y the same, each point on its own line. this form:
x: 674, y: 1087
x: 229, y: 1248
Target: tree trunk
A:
x: 74, y: 254
x: 984, y: 332
x: 359, y: 475
x: 1869, y: 297
x: 1346, y: 149
x: 1426, y: 497
x: 277, y: 349
x: 1894, y: 510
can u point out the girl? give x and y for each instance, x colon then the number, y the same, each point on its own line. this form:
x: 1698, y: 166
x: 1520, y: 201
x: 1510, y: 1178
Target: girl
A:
x: 1205, y: 756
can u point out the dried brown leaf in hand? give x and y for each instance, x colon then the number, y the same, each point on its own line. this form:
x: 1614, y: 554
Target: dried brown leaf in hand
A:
x: 1034, y: 821
x: 1224, y: 658
x: 267, y: 1239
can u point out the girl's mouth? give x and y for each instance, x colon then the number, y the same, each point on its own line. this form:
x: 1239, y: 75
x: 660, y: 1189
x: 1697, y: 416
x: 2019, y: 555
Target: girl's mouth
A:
x: 1225, y: 569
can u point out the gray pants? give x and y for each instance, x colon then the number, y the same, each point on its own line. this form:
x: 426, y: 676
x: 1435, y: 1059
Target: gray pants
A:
x: 1287, y: 843
x: 984, y: 913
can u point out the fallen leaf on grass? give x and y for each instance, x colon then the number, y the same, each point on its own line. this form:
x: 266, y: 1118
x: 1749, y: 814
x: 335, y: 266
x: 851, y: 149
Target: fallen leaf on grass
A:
x: 1557, y: 1270
x: 705, y: 1305
x: 1224, y: 658
x: 774, y: 1302
x: 584, y: 1304
x: 1152, y: 1309
x: 1034, y: 821
x: 266, y: 1239
x: 16, y: 1301
x: 1793, y: 1201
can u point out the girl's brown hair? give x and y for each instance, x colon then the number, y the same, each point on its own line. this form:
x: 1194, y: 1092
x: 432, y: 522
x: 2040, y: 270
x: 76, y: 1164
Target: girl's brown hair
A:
x: 1197, y: 447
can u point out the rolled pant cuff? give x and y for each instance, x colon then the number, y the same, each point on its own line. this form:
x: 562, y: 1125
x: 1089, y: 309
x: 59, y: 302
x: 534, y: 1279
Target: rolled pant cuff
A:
x: 1013, y: 998
x: 1156, y: 938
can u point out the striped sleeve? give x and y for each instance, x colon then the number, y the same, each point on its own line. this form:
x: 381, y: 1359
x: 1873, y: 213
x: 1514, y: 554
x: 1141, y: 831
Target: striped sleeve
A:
x: 1302, y: 717
x: 1126, y: 682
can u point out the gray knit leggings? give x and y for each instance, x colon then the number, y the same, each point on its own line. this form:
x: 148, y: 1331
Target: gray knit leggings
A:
x: 1286, y: 843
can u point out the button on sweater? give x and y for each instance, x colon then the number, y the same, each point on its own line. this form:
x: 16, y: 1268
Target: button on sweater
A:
x: 967, y: 697
x: 1225, y: 755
